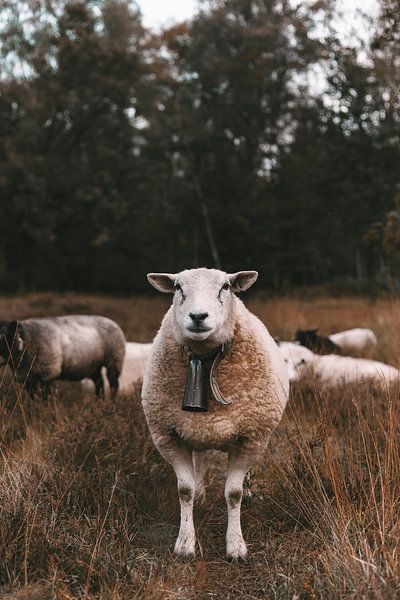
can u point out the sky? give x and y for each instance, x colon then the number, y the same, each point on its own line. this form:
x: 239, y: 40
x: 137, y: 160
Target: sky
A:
x: 161, y: 12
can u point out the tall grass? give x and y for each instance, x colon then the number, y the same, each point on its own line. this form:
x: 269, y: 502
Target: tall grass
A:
x: 89, y: 510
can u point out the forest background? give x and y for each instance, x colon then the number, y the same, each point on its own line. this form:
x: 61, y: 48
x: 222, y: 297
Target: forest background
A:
x: 252, y: 136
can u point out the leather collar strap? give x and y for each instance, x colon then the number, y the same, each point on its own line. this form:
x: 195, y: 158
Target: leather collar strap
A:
x: 213, y: 376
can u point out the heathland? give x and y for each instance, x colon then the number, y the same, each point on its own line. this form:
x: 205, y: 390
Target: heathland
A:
x: 88, y: 509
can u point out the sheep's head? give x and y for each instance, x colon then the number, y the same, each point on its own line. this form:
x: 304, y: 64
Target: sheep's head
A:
x: 203, y: 300
x: 306, y: 337
x: 296, y: 358
x: 11, y: 340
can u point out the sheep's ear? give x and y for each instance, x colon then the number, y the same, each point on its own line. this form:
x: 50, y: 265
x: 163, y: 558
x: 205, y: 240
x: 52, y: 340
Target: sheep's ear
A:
x: 163, y: 282
x: 14, y: 335
x: 242, y: 280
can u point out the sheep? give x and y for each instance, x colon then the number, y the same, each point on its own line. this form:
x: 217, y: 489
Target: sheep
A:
x: 355, y: 339
x: 335, y: 370
x: 208, y: 324
x: 346, y: 369
x: 295, y: 356
x: 317, y: 343
x: 40, y: 351
x: 135, y: 361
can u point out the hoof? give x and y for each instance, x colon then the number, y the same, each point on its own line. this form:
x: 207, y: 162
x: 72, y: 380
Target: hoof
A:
x: 184, y: 549
x: 237, y: 554
x: 237, y: 559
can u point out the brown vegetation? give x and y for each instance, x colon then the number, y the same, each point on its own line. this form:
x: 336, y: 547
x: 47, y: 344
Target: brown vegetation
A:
x: 89, y: 510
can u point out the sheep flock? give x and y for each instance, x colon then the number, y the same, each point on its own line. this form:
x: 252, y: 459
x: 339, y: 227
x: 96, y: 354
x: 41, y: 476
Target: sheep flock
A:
x: 213, y: 379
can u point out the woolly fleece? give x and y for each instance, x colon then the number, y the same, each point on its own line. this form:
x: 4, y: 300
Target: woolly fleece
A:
x: 252, y: 376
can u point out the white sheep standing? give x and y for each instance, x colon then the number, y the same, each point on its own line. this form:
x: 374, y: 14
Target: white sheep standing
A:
x: 359, y: 338
x: 252, y: 378
x: 133, y: 368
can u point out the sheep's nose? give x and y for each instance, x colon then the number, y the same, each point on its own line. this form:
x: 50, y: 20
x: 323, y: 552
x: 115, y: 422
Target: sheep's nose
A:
x: 198, y: 317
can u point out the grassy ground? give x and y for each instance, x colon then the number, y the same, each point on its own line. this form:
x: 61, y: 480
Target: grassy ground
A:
x: 89, y: 510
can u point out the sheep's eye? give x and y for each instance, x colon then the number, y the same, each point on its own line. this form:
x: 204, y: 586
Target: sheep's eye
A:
x: 225, y: 286
x: 178, y: 288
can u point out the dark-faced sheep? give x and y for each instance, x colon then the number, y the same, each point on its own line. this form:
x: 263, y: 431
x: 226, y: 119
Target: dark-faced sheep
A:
x: 40, y: 351
x: 319, y: 344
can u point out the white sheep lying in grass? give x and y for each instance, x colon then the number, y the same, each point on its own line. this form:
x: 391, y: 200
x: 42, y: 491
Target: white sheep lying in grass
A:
x: 333, y: 369
x: 358, y: 338
x: 133, y: 368
x: 251, y: 380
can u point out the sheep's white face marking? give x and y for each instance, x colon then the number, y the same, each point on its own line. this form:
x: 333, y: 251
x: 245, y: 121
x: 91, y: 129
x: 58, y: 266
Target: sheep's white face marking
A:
x: 296, y: 359
x: 202, y: 302
x: 295, y: 368
x: 203, y: 299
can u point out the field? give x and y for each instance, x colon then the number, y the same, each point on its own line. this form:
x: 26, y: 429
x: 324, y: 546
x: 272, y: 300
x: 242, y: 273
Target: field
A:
x: 89, y: 510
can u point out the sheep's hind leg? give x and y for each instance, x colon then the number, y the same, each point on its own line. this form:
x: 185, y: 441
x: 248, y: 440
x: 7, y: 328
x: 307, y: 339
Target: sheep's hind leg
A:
x: 46, y: 389
x: 37, y: 388
x: 113, y: 377
x: 32, y: 387
x: 97, y: 379
x: 179, y: 455
x: 239, y: 463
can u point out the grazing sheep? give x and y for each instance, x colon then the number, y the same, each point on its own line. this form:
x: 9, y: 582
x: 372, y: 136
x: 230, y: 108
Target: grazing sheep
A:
x: 73, y: 347
x: 135, y: 361
x: 207, y: 324
x: 355, y: 339
x: 319, y: 344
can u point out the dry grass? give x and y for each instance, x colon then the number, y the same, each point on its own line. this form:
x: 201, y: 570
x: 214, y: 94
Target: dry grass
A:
x: 89, y: 510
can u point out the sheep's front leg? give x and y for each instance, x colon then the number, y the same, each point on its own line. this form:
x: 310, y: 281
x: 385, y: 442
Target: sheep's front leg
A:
x: 180, y: 458
x: 239, y: 463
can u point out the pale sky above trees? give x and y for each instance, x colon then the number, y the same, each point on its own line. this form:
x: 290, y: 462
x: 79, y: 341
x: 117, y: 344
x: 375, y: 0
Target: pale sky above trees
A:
x: 157, y: 12
x: 160, y: 12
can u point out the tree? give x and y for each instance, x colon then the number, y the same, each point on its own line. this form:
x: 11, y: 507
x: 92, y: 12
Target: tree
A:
x: 69, y: 162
